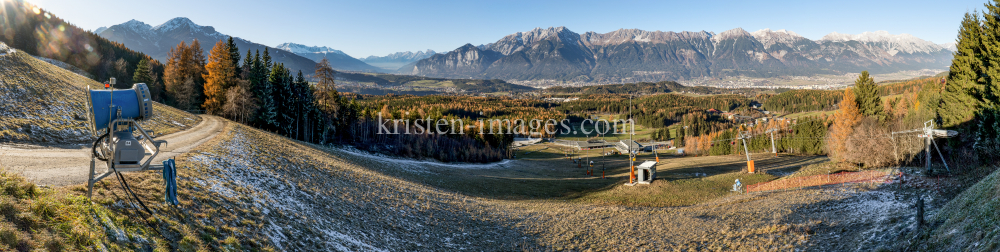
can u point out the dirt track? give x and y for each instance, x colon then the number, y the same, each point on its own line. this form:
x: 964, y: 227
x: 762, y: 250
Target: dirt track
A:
x: 49, y: 166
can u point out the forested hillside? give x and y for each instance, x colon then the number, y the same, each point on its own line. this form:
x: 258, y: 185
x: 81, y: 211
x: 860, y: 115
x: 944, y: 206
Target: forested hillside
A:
x: 463, y: 142
x: 795, y: 101
x: 469, y: 85
x: 38, y: 32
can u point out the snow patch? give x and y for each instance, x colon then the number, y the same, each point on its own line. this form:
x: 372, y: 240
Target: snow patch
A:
x: 299, y: 48
x: 730, y: 34
x: 270, y: 191
x: 769, y: 37
x: 417, y: 165
x: 891, y: 43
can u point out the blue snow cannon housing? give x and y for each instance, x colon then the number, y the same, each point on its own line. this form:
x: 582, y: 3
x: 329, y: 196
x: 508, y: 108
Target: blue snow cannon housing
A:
x: 103, y: 105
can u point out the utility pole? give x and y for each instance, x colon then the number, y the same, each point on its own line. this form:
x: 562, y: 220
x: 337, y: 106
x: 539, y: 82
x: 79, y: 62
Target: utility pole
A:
x: 604, y: 153
x: 589, y: 166
x: 773, y: 149
x: 928, y: 153
x: 743, y: 136
x: 631, y: 154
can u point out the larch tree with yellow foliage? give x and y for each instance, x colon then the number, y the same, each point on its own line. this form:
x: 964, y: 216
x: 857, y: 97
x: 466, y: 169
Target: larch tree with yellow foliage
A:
x: 220, y: 76
x: 844, y: 121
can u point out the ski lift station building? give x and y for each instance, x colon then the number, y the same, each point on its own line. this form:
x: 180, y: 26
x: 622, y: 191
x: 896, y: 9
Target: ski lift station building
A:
x: 623, y: 146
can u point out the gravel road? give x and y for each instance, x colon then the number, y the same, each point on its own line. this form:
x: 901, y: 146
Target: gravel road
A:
x: 68, y: 165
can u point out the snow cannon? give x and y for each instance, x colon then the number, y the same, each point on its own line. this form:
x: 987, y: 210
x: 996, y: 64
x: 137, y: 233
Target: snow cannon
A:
x: 105, y: 104
x: 122, y: 143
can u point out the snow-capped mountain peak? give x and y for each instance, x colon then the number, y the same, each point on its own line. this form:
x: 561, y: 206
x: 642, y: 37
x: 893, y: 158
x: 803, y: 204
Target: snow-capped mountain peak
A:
x: 514, y: 42
x: 892, y: 43
x: 136, y: 24
x: 175, y: 23
x: 406, y: 56
x: 159, y: 40
x: 950, y: 46
x: 769, y: 37
x: 299, y: 48
x: 729, y: 34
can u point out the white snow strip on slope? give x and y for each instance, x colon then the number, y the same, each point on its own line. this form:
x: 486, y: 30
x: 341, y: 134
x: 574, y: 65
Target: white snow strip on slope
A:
x: 419, y: 163
x: 350, y: 239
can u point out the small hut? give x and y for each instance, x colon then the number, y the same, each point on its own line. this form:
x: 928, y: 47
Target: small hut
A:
x: 645, y: 173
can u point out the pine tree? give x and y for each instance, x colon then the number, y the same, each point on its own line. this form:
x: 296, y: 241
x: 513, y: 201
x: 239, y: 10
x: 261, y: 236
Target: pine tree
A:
x: 219, y: 77
x: 263, y: 76
x: 679, y: 142
x: 869, y: 103
x: 144, y: 74
x: 309, y: 114
x: 266, y: 59
x: 247, y: 69
x: 272, y: 90
x: 987, y: 118
x: 843, y: 126
x: 234, y: 55
x: 255, y: 69
x: 285, y: 99
x: 990, y: 51
x: 260, y: 88
x: 195, y: 69
x: 965, y: 83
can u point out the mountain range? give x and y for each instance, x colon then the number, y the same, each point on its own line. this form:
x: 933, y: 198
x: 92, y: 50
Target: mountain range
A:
x: 338, y: 59
x: 156, y: 41
x: 630, y: 55
x: 396, y: 60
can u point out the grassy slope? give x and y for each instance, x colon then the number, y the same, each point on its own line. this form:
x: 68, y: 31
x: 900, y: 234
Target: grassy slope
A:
x: 62, y: 219
x: 285, y: 195
x: 969, y: 222
x: 251, y: 190
x: 42, y: 103
x: 281, y: 196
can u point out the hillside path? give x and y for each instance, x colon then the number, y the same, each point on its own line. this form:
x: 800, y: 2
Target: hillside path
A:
x: 47, y: 166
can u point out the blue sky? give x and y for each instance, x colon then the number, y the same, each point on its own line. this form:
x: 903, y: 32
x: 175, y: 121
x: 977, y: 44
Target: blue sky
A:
x: 370, y: 27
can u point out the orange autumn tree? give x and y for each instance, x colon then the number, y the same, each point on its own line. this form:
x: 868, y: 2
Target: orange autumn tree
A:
x: 220, y: 76
x: 844, y: 121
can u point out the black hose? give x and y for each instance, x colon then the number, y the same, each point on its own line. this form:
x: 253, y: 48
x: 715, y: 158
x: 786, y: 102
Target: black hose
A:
x: 94, y: 149
x: 123, y: 183
x: 128, y: 189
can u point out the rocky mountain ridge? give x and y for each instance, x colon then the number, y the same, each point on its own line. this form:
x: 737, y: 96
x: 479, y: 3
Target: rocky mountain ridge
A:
x: 396, y: 60
x: 337, y: 58
x: 156, y: 41
x: 629, y: 55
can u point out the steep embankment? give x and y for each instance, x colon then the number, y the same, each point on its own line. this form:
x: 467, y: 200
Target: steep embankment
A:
x: 968, y: 222
x: 43, y: 103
